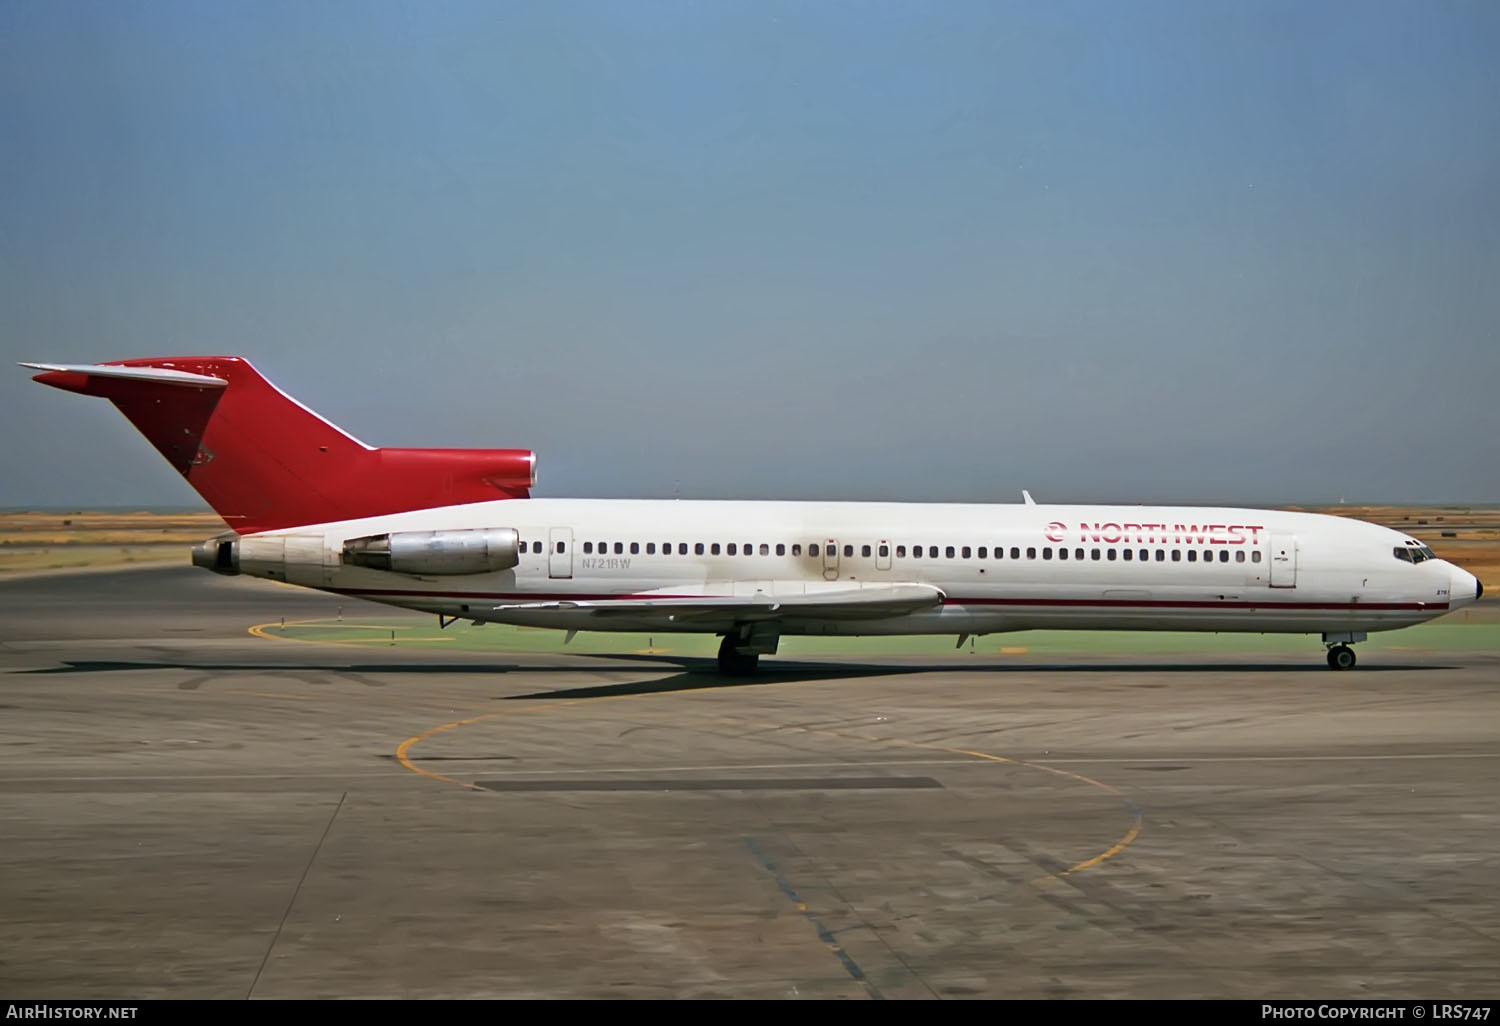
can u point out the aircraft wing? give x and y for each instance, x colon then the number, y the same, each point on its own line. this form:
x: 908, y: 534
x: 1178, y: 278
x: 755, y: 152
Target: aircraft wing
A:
x: 871, y: 601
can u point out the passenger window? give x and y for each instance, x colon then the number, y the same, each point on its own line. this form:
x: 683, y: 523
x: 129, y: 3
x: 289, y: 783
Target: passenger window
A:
x: 1015, y: 552
x: 1047, y: 552
x: 698, y: 548
x: 1031, y: 553
x: 635, y: 547
x: 651, y: 548
x: 983, y: 552
x: 713, y: 548
x: 1095, y: 555
x: 864, y: 550
x: 1161, y: 555
x: 1255, y: 556
x: 781, y: 548
x: 1077, y: 553
x: 948, y: 551
x: 1177, y: 555
x: 1127, y: 554
x: 885, y: 550
x: 797, y: 549
x: 1109, y: 554
x: 562, y: 547
x: 965, y: 551
x: 619, y: 548
x: 588, y: 547
x: 812, y: 550
x: 1239, y: 556
x: 900, y: 551
x: 1192, y: 555
x: 731, y: 549
x: 1062, y: 553
x: 849, y: 550
x: 766, y: 551
x: 1145, y: 555
x: 1223, y: 555
x: 603, y: 548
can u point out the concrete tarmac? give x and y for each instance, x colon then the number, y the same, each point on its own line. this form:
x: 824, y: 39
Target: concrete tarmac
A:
x: 190, y: 811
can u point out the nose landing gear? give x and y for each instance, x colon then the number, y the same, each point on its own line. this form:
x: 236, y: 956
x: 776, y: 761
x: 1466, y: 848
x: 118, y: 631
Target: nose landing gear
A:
x: 1340, y: 657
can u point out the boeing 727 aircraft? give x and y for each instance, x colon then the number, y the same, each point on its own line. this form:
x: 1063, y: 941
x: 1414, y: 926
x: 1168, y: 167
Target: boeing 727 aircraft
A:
x: 454, y: 532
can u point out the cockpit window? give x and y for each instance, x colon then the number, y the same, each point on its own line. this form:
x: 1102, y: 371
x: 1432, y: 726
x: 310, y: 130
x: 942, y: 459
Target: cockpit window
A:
x: 1413, y: 553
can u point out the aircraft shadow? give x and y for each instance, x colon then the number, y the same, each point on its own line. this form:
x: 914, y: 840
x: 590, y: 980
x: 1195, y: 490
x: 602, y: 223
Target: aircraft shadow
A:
x: 703, y: 673
x: 693, y: 674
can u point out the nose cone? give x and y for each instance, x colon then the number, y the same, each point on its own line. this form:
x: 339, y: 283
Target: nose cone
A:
x: 1465, y: 588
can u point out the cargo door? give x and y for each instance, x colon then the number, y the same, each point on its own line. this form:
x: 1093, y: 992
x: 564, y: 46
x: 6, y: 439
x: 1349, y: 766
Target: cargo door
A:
x: 1283, y: 561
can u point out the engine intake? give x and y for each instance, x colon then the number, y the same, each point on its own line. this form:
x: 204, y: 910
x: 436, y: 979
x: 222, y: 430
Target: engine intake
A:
x: 439, y: 553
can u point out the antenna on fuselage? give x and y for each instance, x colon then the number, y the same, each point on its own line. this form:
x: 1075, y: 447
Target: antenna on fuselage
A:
x: 1027, y: 497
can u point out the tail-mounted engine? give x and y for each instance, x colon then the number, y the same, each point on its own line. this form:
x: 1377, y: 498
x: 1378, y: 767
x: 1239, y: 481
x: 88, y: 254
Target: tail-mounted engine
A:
x: 439, y: 553
x: 311, y: 560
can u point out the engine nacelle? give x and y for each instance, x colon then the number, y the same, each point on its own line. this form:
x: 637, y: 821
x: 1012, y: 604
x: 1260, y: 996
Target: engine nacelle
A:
x: 221, y: 554
x: 294, y: 558
x: 438, y: 553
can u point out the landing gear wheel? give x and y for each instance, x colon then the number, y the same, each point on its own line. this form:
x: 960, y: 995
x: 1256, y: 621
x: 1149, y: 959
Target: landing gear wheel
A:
x: 733, y: 663
x: 1341, y: 657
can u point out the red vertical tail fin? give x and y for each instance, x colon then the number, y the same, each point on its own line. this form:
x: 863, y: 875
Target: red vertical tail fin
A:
x: 264, y: 461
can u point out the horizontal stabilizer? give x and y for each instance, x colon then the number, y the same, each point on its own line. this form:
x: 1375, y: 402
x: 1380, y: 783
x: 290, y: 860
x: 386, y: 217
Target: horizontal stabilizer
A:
x: 158, y: 375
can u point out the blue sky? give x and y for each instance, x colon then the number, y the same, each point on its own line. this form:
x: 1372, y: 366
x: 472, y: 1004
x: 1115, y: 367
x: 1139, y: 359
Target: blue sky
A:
x: 1202, y: 251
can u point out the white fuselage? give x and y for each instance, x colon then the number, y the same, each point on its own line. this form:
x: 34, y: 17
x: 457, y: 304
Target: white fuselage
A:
x: 998, y: 567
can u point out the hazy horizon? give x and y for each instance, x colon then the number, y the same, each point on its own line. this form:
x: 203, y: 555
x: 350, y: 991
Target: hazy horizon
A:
x: 1212, y: 253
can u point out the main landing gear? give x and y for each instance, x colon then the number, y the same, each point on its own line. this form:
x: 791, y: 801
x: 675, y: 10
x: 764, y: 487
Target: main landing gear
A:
x: 733, y: 662
x: 744, y: 644
x: 1340, y: 657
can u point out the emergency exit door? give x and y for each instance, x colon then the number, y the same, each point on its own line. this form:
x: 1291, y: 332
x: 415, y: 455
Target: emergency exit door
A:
x: 560, y: 552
